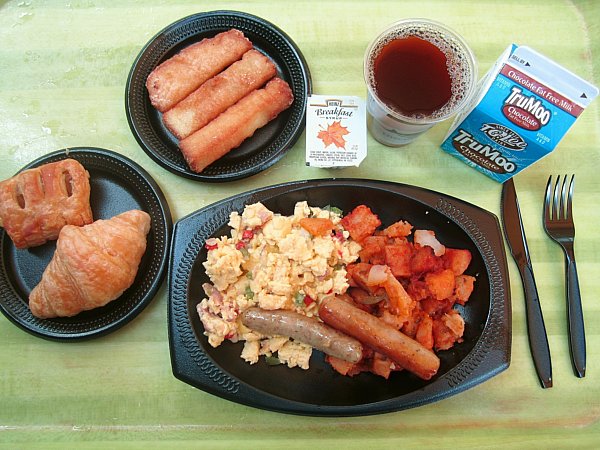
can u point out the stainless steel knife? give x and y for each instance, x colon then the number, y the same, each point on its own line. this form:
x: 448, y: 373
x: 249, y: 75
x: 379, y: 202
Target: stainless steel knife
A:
x: 515, y: 235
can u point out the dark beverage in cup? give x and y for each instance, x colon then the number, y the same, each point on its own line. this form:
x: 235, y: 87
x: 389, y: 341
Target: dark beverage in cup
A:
x: 418, y: 73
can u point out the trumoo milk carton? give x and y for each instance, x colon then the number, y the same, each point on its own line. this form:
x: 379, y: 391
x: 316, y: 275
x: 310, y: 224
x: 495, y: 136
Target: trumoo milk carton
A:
x: 525, y: 105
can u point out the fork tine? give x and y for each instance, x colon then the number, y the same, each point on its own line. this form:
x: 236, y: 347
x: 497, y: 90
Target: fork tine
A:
x: 548, y: 201
x: 563, y: 199
x: 570, y: 198
x: 556, y: 202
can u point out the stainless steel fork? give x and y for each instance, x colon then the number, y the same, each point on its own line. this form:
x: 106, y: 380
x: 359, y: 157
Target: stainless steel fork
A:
x: 558, y: 223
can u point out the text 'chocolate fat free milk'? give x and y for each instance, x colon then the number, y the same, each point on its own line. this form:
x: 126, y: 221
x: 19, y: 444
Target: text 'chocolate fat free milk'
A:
x: 525, y: 105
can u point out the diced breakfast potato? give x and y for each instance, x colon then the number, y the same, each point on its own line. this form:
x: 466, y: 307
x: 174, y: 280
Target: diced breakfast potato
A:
x: 440, y: 284
x: 398, y: 257
x: 457, y: 260
x: 360, y: 223
x: 373, y: 250
x: 464, y: 288
x: 424, y: 260
x: 400, y: 229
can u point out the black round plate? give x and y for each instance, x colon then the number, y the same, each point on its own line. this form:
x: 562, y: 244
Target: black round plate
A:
x: 117, y: 185
x: 320, y: 390
x: 258, y: 152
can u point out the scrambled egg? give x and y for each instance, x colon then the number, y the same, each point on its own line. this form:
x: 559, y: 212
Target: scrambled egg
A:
x: 270, y: 261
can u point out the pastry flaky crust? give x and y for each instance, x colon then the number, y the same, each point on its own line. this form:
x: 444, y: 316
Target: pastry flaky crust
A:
x: 36, y: 203
x: 219, y: 93
x: 236, y: 124
x: 178, y: 76
x: 92, y: 265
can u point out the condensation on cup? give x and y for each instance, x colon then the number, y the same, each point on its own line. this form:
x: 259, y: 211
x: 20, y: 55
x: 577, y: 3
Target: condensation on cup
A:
x: 418, y: 73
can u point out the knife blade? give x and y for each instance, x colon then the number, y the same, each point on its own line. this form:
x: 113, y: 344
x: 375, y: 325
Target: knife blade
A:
x: 517, y: 242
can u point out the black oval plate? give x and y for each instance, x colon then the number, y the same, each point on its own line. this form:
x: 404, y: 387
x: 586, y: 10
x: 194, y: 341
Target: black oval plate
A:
x: 258, y: 152
x: 319, y: 390
x: 117, y: 185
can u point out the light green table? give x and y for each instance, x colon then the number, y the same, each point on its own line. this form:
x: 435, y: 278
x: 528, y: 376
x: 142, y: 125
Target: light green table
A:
x: 63, y: 68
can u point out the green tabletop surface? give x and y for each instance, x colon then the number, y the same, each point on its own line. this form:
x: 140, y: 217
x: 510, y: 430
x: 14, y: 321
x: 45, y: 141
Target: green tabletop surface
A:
x: 63, y: 70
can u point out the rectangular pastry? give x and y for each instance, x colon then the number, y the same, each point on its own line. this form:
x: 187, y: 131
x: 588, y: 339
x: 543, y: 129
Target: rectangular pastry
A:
x: 219, y: 93
x: 36, y: 203
x: 178, y: 76
x: 236, y: 124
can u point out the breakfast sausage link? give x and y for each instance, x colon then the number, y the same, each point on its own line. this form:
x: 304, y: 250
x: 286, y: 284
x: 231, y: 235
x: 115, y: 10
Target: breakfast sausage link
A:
x: 305, y: 329
x: 380, y: 336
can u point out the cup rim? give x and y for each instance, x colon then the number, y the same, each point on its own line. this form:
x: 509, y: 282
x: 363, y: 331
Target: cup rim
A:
x: 469, y: 94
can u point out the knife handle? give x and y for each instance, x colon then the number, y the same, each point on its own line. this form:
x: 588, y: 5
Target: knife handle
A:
x: 538, y: 340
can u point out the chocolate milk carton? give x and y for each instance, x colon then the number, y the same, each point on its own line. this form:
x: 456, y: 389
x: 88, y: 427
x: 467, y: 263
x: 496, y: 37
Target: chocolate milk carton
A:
x: 525, y: 105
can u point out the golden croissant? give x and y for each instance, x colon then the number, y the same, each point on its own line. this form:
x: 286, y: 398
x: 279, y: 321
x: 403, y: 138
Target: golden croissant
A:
x: 92, y: 265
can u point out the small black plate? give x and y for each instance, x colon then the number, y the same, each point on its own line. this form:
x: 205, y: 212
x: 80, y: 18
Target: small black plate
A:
x: 258, y: 152
x: 117, y: 185
x: 320, y: 390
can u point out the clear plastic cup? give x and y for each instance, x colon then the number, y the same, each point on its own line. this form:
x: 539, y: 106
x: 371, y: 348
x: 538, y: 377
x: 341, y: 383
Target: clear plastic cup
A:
x: 386, y: 122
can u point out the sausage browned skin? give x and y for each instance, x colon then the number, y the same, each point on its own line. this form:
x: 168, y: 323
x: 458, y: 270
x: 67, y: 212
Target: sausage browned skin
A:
x: 380, y: 336
x: 308, y: 330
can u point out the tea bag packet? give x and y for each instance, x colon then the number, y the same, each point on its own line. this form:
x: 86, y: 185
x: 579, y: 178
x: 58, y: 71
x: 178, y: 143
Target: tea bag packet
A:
x: 336, y: 134
x: 525, y: 105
